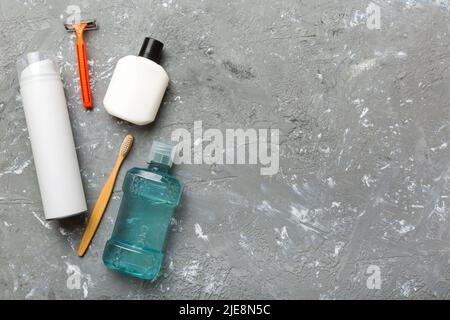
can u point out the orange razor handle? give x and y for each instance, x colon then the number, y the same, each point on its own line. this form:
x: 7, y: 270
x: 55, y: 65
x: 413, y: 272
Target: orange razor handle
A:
x: 83, y: 67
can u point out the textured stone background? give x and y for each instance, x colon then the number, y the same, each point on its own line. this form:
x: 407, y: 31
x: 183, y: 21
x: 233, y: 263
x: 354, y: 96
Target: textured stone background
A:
x: 364, y: 119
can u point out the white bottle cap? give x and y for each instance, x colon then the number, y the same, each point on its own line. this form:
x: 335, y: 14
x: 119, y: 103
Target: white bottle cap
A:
x: 161, y: 153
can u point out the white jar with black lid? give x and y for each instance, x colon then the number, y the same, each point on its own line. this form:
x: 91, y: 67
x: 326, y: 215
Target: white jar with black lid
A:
x: 138, y: 85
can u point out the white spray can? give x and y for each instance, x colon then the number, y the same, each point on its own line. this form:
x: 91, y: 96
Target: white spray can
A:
x: 51, y: 136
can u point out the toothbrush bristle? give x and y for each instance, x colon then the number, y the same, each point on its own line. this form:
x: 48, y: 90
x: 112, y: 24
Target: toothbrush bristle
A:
x: 126, y: 145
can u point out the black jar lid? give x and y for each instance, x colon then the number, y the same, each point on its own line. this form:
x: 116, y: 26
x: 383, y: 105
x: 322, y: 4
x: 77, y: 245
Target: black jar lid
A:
x: 151, y: 49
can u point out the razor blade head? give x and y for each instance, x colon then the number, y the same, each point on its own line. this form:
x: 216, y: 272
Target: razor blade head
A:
x: 90, y: 25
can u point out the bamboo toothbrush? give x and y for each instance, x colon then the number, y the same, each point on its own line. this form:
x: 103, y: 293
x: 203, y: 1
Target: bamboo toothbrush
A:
x: 104, y: 196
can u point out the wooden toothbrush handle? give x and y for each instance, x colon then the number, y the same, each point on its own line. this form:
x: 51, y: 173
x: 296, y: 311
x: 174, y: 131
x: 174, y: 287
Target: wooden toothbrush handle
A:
x: 99, y: 208
x: 83, y: 70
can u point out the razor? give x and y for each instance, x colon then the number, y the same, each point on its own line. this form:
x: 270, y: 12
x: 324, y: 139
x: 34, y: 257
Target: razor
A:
x: 83, y: 70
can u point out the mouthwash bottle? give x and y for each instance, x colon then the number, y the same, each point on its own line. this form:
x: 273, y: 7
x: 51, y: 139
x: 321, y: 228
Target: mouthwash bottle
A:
x: 150, y: 197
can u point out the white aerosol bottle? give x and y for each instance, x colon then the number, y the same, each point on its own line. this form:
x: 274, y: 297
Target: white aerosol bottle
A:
x: 51, y: 136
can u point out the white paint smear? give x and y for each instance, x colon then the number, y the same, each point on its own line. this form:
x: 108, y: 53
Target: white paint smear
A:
x: 243, y: 242
x: 267, y: 208
x: 366, y: 65
x: 404, y: 228
x: 41, y: 221
x: 16, y: 167
x: 300, y: 215
x: 408, y: 287
x: 331, y: 183
x: 283, y: 237
x: 199, y: 232
x: 190, y: 271
x: 30, y: 294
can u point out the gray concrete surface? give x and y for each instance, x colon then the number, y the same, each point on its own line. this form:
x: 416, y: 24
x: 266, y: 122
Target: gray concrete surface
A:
x: 364, y: 120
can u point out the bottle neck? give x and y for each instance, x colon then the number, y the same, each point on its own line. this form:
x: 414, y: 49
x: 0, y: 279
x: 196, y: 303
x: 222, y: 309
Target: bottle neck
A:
x: 158, y: 167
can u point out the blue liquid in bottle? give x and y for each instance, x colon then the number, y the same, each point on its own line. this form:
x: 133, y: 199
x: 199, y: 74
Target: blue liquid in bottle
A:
x: 150, y: 197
